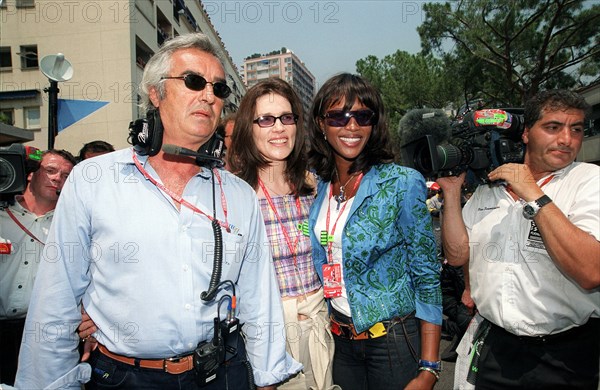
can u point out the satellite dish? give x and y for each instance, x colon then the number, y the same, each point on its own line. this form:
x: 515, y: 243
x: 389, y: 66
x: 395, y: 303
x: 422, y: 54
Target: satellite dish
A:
x: 56, y: 68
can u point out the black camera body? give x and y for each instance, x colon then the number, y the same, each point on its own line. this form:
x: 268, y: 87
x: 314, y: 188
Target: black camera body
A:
x: 481, y: 141
x: 13, y: 172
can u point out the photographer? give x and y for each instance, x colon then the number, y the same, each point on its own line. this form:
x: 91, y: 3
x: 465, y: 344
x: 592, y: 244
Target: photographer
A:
x: 24, y: 224
x: 534, y: 256
x: 136, y: 247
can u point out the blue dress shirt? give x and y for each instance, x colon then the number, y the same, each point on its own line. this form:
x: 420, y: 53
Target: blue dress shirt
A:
x: 120, y: 246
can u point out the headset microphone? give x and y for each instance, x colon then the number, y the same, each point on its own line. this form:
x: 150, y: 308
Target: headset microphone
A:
x: 181, y: 151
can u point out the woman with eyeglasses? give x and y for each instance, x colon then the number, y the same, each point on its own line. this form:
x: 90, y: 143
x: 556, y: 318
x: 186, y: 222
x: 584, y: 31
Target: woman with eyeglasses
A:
x: 268, y: 151
x: 373, y: 245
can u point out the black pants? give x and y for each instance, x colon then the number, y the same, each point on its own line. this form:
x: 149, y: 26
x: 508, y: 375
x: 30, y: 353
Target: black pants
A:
x: 568, y: 360
x: 111, y: 374
x: 11, y: 332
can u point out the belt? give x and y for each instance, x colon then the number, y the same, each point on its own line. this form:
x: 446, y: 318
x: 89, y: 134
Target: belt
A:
x: 348, y: 331
x: 174, y: 365
x: 592, y: 326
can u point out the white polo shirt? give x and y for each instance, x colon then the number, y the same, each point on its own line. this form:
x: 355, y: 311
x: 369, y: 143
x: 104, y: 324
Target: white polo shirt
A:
x: 514, y: 283
x: 18, y: 269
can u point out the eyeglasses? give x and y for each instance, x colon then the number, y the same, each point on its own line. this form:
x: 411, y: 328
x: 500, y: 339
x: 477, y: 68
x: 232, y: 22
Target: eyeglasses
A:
x: 269, y: 120
x: 340, y: 118
x: 196, y: 82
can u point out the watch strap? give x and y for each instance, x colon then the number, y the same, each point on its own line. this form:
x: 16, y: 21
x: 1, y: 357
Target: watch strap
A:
x: 543, y: 200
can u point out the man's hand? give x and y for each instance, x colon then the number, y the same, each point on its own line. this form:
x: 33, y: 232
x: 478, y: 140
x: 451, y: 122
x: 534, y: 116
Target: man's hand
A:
x: 451, y: 184
x: 468, y: 301
x: 87, y: 326
x: 519, y: 179
x: 85, y: 331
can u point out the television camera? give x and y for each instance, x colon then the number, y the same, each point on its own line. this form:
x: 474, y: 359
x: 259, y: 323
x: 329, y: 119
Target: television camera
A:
x: 478, y: 141
x: 16, y: 162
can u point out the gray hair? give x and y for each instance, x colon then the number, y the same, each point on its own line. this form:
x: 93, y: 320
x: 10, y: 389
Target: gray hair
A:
x: 160, y: 64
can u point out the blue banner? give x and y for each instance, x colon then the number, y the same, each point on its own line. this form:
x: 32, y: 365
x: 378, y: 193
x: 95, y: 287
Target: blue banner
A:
x: 71, y: 111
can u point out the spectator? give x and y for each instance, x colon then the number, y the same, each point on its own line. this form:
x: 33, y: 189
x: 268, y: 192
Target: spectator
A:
x: 268, y: 151
x: 373, y: 245
x: 137, y: 248
x: 226, y: 126
x: 25, y: 225
x: 533, y: 253
x: 95, y: 148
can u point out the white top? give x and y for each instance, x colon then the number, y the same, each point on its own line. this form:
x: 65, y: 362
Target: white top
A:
x: 18, y: 269
x: 514, y: 282
x: 339, y: 303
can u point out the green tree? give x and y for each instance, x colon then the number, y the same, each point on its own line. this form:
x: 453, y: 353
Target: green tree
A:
x: 5, y: 119
x: 408, y: 81
x: 508, y: 50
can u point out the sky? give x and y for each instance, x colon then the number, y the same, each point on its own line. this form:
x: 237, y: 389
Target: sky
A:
x: 328, y: 36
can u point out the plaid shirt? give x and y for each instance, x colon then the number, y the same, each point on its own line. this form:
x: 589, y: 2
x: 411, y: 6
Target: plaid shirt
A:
x: 299, y: 279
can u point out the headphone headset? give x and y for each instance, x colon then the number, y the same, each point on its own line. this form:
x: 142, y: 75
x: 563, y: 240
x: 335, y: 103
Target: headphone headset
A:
x: 146, y: 134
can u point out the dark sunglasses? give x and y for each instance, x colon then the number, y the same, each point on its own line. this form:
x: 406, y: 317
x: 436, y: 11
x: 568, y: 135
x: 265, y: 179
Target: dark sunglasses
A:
x: 340, y: 118
x: 269, y: 120
x: 196, y: 82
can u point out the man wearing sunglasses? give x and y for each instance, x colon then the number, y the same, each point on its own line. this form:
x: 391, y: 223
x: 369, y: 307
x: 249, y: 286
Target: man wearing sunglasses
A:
x: 135, y: 246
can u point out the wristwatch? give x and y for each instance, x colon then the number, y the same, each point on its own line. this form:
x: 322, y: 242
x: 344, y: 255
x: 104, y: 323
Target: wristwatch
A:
x: 531, y: 209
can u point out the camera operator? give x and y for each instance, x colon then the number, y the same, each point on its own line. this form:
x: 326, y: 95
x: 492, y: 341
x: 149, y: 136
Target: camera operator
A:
x: 136, y: 246
x: 534, y: 256
x: 24, y: 224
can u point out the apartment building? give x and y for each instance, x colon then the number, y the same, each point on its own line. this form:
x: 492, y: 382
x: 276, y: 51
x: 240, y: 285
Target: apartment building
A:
x: 285, y: 65
x: 107, y: 43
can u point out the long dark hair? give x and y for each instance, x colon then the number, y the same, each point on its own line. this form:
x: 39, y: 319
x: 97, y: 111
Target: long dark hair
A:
x: 350, y: 88
x: 244, y: 157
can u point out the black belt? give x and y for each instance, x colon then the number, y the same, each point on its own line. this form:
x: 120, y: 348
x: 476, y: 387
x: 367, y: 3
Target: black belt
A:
x: 593, y: 325
x: 9, y: 322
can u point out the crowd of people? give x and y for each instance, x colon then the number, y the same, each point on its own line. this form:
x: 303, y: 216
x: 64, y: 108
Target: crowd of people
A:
x: 311, y: 261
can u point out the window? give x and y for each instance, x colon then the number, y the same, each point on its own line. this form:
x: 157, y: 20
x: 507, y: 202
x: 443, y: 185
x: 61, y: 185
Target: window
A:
x: 32, y: 117
x: 5, y: 58
x: 29, y: 57
x: 25, y: 3
x: 7, y: 116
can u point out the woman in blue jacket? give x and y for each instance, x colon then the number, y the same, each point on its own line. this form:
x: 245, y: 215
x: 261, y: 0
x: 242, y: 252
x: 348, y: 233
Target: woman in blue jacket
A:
x: 373, y: 245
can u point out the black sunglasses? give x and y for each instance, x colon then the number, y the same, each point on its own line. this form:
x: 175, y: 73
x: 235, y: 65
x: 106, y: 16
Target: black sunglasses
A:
x: 196, y: 82
x: 269, y: 120
x: 339, y: 118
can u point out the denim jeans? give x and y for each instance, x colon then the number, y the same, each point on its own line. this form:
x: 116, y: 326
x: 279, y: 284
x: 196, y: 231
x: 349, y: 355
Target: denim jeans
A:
x: 385, y: 362
x: 111, y: 374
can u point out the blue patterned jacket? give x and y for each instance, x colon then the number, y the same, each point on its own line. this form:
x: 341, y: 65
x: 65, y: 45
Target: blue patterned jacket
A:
x: 389, y: 252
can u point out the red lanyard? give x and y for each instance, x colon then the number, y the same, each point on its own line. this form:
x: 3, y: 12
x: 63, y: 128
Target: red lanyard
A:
x: 12, y: 216
x: 547, y: 180
x: 330, y: 235
x: 184, y: 202
x: 286, y: 235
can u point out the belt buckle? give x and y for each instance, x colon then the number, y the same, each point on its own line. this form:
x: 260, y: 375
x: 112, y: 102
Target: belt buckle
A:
x: 377, y: 330
x: 171, y: 360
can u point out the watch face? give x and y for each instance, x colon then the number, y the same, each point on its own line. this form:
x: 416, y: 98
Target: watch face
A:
x: 528, y: 211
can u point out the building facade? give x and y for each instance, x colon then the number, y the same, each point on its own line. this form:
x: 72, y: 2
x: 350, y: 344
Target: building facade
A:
x: 107, y: 43
x: 285, y: 65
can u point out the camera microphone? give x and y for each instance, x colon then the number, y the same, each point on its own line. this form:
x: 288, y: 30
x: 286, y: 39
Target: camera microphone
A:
x: 420, y: 122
